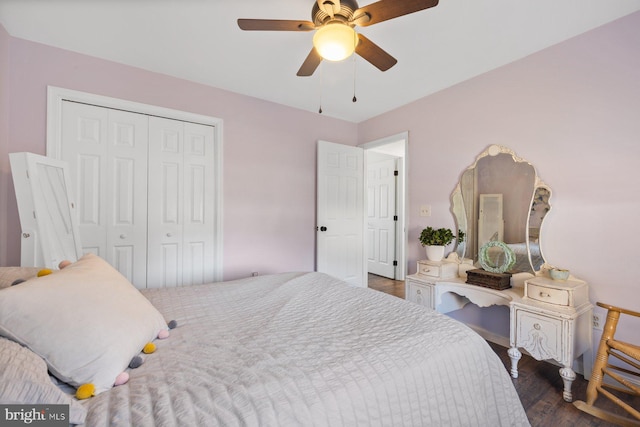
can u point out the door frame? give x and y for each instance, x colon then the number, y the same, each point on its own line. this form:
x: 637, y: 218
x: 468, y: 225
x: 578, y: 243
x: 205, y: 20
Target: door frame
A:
x: 401, y: 197
x: 55, y: 98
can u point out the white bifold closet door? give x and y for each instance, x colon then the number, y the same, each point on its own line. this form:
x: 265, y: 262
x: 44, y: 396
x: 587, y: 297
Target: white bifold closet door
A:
x: 145, y: 192
x: 180, y: 239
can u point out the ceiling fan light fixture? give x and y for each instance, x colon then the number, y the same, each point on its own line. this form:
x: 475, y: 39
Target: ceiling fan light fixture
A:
x: 335, y: 41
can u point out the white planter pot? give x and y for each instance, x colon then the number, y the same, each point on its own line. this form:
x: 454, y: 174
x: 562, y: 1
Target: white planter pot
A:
x: 434, y: 253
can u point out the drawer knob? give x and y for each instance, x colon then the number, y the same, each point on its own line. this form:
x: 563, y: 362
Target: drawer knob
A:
x: 123, y: 236
x: 536, y: 326
x: 418, y: 291
x: 426, y: 270
x: 544, y: 295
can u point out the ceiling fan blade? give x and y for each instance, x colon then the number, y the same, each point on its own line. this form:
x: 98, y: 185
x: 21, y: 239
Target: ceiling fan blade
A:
x: 374, y: 54
x: 310, y: 64
x: 384, y: 10
x: 275, y: 25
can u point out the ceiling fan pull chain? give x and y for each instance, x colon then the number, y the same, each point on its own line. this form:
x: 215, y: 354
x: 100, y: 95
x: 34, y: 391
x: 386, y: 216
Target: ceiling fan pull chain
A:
x: 354, y: 80
x: 321, y: 84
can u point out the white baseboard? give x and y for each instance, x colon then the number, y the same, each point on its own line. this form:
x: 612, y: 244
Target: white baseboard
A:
x: 490, y: 336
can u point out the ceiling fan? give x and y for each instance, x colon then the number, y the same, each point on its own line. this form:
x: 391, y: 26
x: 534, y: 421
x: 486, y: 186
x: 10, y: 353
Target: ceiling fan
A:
x: 335, y: 38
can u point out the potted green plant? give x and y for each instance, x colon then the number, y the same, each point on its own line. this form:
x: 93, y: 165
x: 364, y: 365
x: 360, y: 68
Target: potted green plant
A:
x: 434, y: 241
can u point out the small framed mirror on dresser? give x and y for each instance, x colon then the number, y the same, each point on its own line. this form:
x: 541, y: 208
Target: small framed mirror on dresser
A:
x: 499, y: 205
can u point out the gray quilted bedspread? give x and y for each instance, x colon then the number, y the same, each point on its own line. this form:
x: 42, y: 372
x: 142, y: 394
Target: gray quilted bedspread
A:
x: 304, y: 349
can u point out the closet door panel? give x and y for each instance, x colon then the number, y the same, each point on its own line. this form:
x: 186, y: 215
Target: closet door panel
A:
x: 127, y: 195
x: 123, y: 260
x: 165, y: 203
x: 107, y: 154
x: 171, y: 196
x: 84, y: 133
x: 171, y: 269
x: 199, y: 206
x: 88, y: 182
x: 195, y: 265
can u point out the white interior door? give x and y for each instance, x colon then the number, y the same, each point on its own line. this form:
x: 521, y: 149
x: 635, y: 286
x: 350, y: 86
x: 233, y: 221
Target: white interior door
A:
x: 199, y: 204
x: 381, y: 214
x: 181, y: 232
x: 146, y: 200
x: 84, y: 132
x: 107, y: 154
x: 166, y: 198
x: 340, y: 212
x: 109, y: 149
x: 126, y: 212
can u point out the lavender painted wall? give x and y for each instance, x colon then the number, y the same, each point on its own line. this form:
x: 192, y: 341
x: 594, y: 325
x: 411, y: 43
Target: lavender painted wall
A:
x: 573, y: 111
x: 269, y: 151
x: 4, y: 137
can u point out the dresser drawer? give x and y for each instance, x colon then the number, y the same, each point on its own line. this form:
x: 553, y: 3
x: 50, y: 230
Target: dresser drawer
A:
x: 568, y: 293
x: 425, y: 269
x: 549, y: 295
x: 438, y: 270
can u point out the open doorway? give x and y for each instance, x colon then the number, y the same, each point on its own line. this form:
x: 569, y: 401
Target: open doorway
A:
x: 385, y: 207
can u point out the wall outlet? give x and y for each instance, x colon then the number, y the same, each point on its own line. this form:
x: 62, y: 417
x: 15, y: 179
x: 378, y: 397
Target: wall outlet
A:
x: 597, y: 322
x: 425, y: 210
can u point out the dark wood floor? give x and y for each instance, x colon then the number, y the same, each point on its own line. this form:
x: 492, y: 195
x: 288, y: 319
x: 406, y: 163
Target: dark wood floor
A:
x: 393, y: 287
x: 539, y: 385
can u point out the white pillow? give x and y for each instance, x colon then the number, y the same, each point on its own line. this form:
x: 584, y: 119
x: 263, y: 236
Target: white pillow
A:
x: 9, y: 274
x: 86, y: 321
x: 24, y: 380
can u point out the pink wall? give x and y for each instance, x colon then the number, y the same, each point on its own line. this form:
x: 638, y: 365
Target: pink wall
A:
x: 573, y: 111
x: 4, y: 137
x: 269, y: 151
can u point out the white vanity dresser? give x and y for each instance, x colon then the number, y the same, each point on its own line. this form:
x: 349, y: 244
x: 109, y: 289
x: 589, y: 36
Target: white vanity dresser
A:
x: 549, y: 319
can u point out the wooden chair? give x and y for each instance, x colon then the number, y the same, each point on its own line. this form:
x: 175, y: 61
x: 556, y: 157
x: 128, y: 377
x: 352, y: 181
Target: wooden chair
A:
x: 628, y: 353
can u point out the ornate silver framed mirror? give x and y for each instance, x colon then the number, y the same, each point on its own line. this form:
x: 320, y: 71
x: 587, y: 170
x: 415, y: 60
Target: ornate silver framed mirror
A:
x: 501, y: 198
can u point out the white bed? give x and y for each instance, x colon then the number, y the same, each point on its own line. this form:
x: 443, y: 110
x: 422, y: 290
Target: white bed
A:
x: 300, y: 349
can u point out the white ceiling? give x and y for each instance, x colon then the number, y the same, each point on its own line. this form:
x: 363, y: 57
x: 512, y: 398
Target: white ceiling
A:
x: 199, y: 40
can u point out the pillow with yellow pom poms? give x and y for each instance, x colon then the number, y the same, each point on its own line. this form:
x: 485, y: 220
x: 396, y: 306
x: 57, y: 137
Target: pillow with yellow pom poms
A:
x: 86, y: 321
x: 88, y: 390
